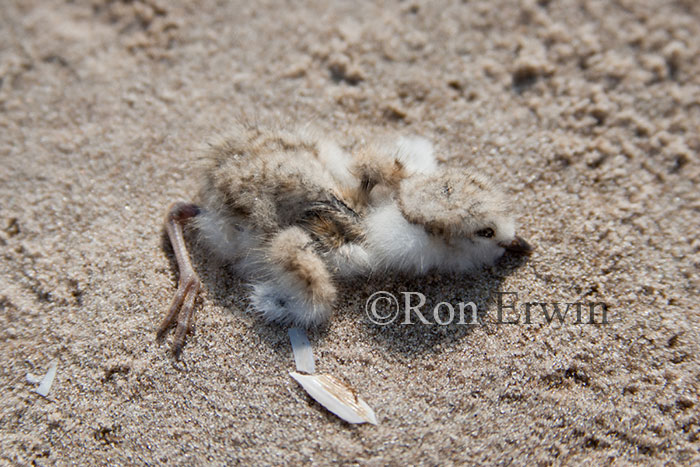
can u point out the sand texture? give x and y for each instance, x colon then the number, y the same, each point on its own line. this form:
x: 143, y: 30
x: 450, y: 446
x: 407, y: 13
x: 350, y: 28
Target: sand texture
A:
x: 586, y: 112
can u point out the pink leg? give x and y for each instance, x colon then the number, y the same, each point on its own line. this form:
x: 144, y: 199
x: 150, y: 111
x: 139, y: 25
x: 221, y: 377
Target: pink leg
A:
x: 188, y: 285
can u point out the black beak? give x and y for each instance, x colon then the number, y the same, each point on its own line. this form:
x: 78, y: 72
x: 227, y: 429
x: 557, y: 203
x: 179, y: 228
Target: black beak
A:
x: 518, y: 246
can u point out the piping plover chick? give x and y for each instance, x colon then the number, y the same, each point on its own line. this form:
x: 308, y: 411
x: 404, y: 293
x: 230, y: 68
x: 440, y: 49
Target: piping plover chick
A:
x: 294, y: 213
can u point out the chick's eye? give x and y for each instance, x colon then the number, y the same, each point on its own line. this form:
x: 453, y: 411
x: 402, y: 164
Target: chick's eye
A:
x: 486, y: 233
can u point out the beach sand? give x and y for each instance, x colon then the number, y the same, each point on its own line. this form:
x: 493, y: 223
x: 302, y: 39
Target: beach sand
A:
x: 585, y: 112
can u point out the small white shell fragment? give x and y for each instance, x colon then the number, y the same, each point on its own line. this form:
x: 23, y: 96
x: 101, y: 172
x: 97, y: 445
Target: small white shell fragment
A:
x: 47, y: 381
x: 337, y: 397
x: 303, y: 354
x: 33, y: 379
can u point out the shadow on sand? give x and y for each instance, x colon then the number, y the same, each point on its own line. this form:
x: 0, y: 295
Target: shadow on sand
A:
x: 418, y: 338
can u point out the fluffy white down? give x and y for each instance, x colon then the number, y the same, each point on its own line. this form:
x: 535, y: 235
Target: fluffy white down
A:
x: 279, y: 297
x: 394, y: 243
x: 284, y: 302
x: 506, y: 230
x: 349, y: 260
x: 416, y: 154
x: 228, y: 241
x: 337, y: 162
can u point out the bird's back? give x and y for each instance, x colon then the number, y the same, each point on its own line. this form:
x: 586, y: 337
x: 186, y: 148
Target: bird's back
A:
x: 271, y: 179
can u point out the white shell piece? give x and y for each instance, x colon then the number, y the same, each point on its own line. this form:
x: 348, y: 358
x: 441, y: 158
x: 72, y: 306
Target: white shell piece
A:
x: 33, y: 379
x: 47, y: 381
x: 337, y: 397
x: 303, y: 354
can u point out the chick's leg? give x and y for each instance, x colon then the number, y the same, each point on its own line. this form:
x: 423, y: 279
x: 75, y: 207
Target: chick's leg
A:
x: 182, y: 305
x: 299, y: 289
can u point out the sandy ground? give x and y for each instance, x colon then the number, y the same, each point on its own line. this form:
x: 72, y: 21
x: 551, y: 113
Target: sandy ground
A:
x: 587, y: 112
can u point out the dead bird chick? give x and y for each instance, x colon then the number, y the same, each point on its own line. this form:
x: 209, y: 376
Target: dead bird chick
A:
x: 294, y: 212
